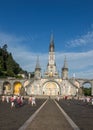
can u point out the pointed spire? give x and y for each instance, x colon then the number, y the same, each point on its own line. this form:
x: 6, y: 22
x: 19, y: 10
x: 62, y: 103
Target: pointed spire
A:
x: 65, y: 70
x: 37, y: 63
x: 51, y: 47
x: 65, y: 63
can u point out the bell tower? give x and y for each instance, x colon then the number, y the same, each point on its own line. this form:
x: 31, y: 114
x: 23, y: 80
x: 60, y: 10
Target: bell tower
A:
x: 51, y: 66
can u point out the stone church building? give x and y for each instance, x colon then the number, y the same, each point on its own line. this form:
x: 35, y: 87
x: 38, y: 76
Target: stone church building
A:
x: 51, y: 83
x: 48, y: 84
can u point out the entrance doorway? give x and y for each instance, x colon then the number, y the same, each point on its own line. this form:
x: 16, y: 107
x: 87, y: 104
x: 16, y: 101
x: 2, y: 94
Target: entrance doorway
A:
x: 87, y: 88
x: 6, y: 87
x: 17, y: 88
x: 51, y: 88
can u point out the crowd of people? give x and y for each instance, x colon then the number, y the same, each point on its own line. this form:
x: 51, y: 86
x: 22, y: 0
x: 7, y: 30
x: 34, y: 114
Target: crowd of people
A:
x: 86, y: 99
x: 18, y: 101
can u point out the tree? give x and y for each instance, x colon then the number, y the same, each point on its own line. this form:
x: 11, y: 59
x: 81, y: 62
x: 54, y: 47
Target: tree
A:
x: 87, y: 91
x: 8, y: 66
x: 5, y: 47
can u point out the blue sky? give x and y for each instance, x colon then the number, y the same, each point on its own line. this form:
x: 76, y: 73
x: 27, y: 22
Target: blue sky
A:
x: 26, y: 26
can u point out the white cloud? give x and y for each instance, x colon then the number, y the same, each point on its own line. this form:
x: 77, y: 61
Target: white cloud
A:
x: 9, y: 39
x: 82, y: 40
x: 80, y: 63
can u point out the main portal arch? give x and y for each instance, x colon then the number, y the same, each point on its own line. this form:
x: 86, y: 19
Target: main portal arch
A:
x: 51, y: 88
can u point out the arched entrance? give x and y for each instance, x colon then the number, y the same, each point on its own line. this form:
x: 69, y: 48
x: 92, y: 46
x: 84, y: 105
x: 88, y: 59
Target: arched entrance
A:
x: 51, y: 88
x: 87, y: 86
x: 17, y: 88
x: 6, y: 88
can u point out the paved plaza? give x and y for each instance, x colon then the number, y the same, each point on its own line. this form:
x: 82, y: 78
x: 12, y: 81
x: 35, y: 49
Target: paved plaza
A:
x: 80, y: 112
x: 12, y: 119
x: 49, y: 116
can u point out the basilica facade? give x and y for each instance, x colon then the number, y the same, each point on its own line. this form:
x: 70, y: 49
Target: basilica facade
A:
x: 51, y: 83
x: 48, y: 84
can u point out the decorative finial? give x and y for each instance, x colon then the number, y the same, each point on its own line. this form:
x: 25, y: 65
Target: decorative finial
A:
x: 37, y: 62
x: 65, y: 62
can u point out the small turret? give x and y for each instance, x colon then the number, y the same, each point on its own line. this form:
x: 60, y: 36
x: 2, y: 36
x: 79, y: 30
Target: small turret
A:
x: 65, y: 70
x: 37, y: 69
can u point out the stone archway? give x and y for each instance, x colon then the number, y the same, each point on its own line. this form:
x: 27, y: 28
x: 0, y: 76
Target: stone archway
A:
x: 83, y: 82
x: 51, y: 88
x: 6, y: 88
x: 87, y: 88
x: 17, y: 88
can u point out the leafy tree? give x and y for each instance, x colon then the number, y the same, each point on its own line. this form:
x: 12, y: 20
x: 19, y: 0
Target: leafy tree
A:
x: 5, y: 47
x: 87, y: 91
x: 8, y: 66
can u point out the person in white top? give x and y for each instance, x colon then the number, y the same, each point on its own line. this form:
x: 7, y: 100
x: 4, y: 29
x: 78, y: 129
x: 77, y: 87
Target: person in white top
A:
x: 7, y: 99
x: 33, y: 101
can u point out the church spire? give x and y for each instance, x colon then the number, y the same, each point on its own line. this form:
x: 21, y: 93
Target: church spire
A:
x: 37, y: 63
x: 51, y: 47
x: 51, y: 66
x: 65, y: 63
x: 65, y: 69
x: 37, y: 69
